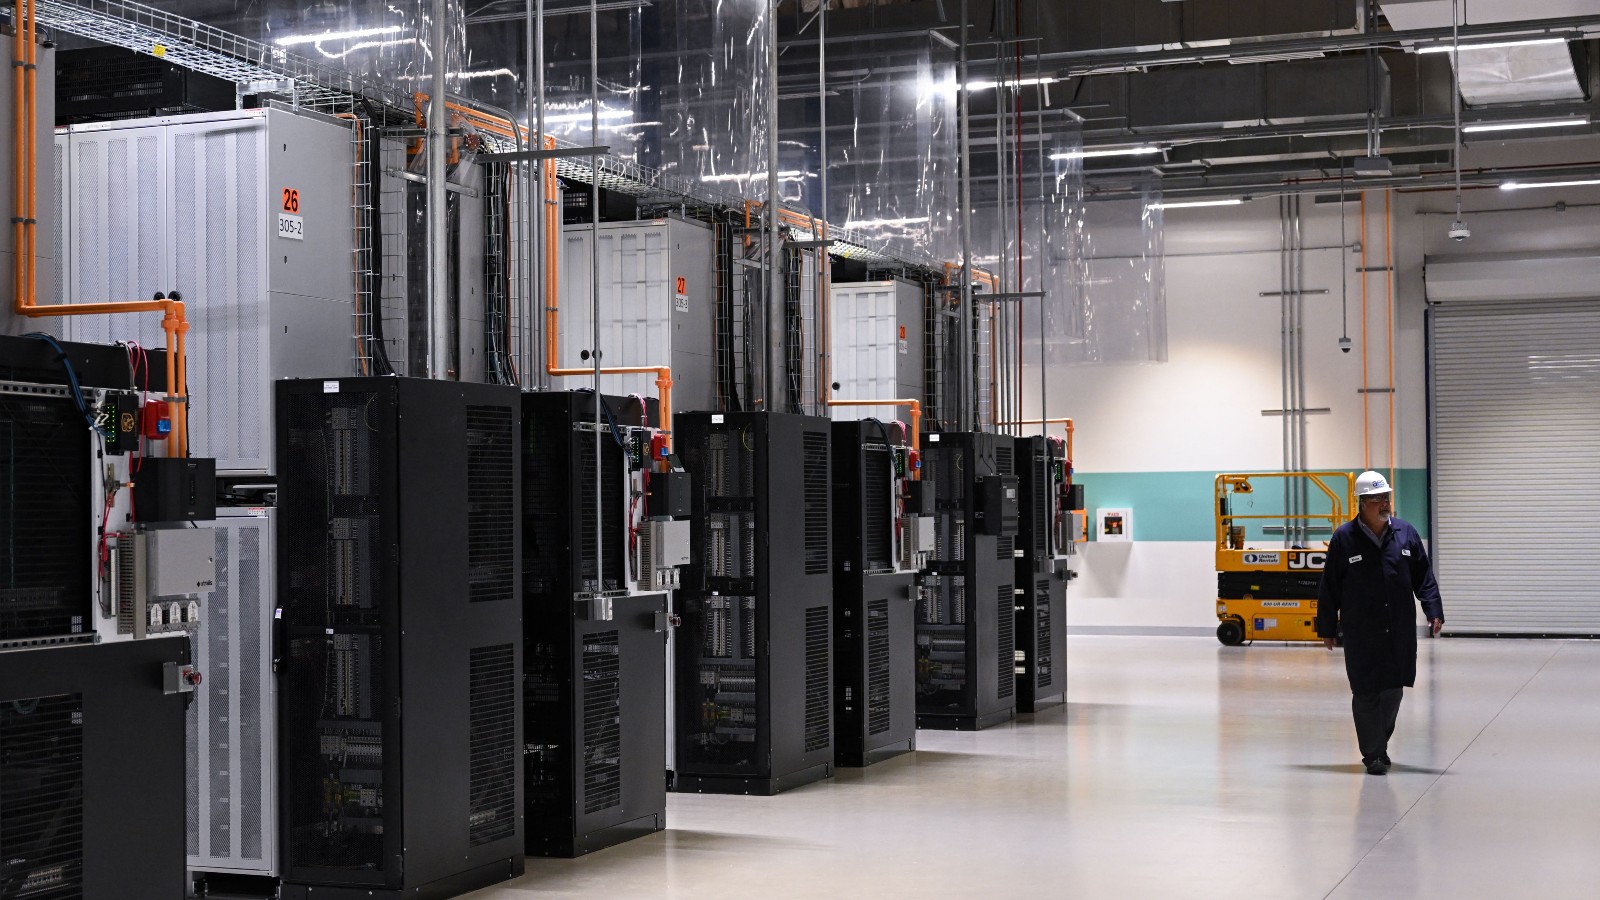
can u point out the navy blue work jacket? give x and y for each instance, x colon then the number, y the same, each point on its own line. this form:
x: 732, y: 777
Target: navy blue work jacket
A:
x: 1366, y: 592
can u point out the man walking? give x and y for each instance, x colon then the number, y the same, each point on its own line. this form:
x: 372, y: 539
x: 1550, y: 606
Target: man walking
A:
x: 1376, y: 565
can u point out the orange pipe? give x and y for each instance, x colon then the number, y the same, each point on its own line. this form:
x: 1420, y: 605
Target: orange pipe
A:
x: 552, y: 319
x: 31, y: 70
x: 1058, y: 421
x: 19, y: 147
x: 916, y: 419
x: 25, y: 276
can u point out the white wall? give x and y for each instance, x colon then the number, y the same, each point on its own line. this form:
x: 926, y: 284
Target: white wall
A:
x: 1200, y: 412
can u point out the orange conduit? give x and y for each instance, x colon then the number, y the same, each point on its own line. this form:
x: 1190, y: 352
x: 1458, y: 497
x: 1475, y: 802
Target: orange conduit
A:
x: 1066, y: 423
x: 25, y: 276
x: 915, y: 406
x: 552, y: 314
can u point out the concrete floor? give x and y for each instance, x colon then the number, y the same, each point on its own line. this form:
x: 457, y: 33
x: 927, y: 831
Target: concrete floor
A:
x: 1178, y: 769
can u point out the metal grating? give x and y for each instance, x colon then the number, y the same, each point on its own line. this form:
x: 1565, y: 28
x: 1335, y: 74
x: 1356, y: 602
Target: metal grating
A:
x: 1005, y: 547
x: 41, y: 798
x: 1041, y: 506
x: 491, y: 501
x: 46, y: 559
x: 1043, y: 663
x: 877, y: 521
x: 878, y: 675
x: 818, y: 698
x: 492, y: 744
x: 1003, y: 463
x: 814, y: 471
x: 1006, y: 640
x: 602, y: 722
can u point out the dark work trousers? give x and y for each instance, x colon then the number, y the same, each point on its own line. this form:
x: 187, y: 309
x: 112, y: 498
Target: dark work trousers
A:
x: 1375, y: 714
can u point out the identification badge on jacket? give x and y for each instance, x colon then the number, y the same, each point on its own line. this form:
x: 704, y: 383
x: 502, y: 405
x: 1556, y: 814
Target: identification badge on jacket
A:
x: 1355, y: 559
x: 1405, y: 552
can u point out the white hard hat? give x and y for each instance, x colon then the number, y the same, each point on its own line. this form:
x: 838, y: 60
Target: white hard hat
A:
x: 1369, y: 483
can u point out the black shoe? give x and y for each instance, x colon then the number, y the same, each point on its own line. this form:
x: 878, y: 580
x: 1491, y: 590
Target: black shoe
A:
x: 1377, y: 767
x: 1387, y: 762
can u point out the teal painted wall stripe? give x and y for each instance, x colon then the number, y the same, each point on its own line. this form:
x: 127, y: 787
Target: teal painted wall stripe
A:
x: 1176, y: 506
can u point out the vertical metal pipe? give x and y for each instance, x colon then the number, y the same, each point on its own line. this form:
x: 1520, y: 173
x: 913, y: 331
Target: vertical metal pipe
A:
x: 1045, y: 211
x: 1283, y: 357
x: 594, y: 294
x: 776, y: 386
x: 438, y: 256
x: 825, y: 270
x: 1300, y: 363
x: 533, y: 261
x: 965, y: 397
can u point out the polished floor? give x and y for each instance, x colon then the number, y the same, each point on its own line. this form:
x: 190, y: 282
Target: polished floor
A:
x: 1183, y: 769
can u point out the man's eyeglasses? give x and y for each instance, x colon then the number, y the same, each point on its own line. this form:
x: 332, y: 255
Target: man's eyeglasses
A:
x: 1373, y: 498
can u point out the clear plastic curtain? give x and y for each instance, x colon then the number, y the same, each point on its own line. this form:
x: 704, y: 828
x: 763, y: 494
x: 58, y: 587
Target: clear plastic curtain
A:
x: 1121, y: 313
x: 1052, y: 260
x: 892, y: 144
x: 708, y: 86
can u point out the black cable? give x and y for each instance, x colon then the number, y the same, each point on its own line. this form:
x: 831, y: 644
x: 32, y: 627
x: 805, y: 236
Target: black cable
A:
x: 374, y: 150
x: 72, y: 376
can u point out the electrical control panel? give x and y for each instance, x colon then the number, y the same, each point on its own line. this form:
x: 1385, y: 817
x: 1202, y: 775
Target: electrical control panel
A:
x: 966, y: 597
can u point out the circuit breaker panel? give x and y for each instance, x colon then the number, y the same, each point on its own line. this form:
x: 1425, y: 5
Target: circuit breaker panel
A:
x: 754, y: 689
x: 399, y: 585
x: 966, y: 615
x: 595, y: 619
x: 1045, y: 496
x: 876, y: 533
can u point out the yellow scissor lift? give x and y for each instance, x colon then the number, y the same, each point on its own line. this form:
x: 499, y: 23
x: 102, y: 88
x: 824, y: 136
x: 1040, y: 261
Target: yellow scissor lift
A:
x: 1270, y: 593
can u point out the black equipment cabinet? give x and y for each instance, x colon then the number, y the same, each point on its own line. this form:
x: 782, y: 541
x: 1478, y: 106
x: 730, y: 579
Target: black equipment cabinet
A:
x: 1041, y: 575
x: 594, y: 730
x: 966, y: 615
x: 92, y: 771
x: 399, y: 647
x: 48, y: 514
x: 754, y: 656
x: 874, y: 662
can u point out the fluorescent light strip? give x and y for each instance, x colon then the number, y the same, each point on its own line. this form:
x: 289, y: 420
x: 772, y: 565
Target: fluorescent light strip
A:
x: 1021, y: 82
x: 1530, y: 42
x: 1110, y: 151
x: 1523, y: 186
x: 296, y: 39
x: 1190, y: 204
x: 1515, y: 126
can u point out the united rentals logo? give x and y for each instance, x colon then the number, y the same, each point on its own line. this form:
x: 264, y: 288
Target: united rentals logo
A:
x: 1263, y: 559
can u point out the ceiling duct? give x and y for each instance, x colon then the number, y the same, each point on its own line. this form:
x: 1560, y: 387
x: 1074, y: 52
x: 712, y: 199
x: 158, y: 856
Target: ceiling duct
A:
x: 1125, y: 24
x: 1497, y: 75
x: 1303, y: 91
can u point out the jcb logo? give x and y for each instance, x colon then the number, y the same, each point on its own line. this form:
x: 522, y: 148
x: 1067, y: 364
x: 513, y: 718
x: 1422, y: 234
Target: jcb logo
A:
x: 1308, y: 560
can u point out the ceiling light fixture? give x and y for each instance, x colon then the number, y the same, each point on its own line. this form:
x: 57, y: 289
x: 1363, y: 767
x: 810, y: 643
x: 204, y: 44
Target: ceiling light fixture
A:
x: 1190, y: 204
x: 1447, y: 47
x: 1569, y: 122
x: 295, y: 39
x: 1020, y: 82
x: 1105, y: 151
x: 1525, y: 185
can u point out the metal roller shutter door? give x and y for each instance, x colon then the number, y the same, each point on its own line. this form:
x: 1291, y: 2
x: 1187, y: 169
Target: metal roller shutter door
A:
x: 1516, y: 466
